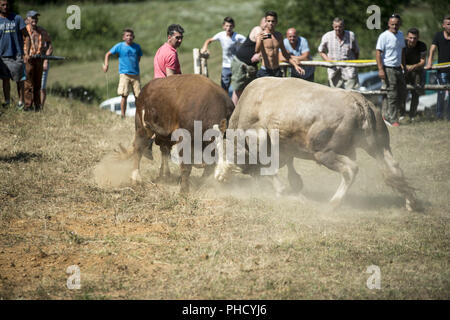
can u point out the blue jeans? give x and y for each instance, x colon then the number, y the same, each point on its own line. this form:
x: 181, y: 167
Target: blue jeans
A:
x: 442, y: 78
x: 225, y: 80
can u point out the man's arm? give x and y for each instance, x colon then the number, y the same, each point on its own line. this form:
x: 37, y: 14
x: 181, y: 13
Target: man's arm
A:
x: 259, y: 40
x: 404, y: 59
x: 49, y: 50
x: 430, y: 56
x: 169, y: 72
x: 26, y: 44
x: 205, y: 45
x: 105, y: 65
x: 355, y: 47
x: 323, y: 45
x: 381, y: 73
x: 419, y: 65
x: 291, y: 59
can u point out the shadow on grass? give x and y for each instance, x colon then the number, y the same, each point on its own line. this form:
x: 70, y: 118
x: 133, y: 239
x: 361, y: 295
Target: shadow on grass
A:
x: 23, y: 157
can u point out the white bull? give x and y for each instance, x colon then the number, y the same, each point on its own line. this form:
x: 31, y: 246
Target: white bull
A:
x: 318, y: 123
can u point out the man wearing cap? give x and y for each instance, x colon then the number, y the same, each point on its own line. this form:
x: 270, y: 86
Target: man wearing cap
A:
x: 12, y: 34
x: 38, y: 44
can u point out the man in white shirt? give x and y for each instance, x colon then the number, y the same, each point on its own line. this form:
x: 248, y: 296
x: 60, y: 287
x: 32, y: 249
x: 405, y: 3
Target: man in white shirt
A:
x: 391, y: 62
x: 230, y: 42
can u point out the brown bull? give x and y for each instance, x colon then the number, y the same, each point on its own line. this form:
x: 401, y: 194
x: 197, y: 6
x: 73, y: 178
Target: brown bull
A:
x: 318, y: 123
x: 171, y: 103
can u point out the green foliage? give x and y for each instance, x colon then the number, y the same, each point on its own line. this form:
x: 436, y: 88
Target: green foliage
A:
x: 102, y: 24
x: 439, y: 8
x: 96, y: 36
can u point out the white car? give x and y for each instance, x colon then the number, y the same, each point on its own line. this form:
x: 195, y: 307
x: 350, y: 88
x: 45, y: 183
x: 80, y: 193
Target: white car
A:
x: 427, y: 102
x: 113, y: 105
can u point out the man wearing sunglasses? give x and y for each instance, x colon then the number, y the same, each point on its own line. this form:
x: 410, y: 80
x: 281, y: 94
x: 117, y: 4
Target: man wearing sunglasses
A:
x: 166, y: 61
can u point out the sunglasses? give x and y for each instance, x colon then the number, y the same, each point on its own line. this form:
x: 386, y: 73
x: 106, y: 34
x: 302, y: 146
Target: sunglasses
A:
x: 179, y: 37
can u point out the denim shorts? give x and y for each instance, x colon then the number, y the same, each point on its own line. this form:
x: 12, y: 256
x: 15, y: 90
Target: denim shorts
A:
x: 12, y: 68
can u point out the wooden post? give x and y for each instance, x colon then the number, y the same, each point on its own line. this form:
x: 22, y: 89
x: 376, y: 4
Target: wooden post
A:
x: 197, y: 64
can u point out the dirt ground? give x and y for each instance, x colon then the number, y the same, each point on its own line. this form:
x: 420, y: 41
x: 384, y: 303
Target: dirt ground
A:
x: 65, y: 201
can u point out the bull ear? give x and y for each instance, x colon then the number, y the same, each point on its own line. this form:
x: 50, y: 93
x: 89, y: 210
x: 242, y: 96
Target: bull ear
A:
x: 223, y: 125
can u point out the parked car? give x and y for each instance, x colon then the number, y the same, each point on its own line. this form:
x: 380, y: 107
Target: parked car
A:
x: 427, y: 103
x: 113, y: 105
x: 369, y: 81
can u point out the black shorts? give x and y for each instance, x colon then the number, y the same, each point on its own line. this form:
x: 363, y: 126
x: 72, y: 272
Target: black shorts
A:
x: 269, y: 73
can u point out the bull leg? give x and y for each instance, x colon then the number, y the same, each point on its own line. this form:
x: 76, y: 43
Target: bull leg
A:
x: 279, y: 186
x: 139, y: 144
x: 393, y: 177
x: 295, y: 180
x: 164, y: 170
x: 185, y: 173
x: 209, y: 169
x: 342, y: 164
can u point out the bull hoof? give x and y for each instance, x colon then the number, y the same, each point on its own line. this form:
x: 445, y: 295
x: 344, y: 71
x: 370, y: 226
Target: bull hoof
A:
x: 136, y: 177
x: 413, y: 206
x: 184, y: 189
x: 219, y: 177
x: 335, y: 204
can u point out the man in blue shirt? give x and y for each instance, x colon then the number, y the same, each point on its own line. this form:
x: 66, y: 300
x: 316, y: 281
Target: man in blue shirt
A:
x: 391, y: 62
x: 129, y: 57
x: 298, y: 48
x: 12, y: 34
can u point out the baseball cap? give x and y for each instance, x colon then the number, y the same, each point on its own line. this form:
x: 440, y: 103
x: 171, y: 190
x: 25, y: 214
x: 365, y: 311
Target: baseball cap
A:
x: 32, y: 13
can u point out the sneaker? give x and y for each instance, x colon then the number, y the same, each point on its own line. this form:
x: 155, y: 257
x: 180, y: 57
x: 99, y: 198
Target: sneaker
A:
x: 20, y: 105
x: 401, y: 118
x: 395, y: 124
x: 6, y: 104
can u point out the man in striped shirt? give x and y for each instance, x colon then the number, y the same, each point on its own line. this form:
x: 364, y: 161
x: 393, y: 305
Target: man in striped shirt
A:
x: 340, y: 44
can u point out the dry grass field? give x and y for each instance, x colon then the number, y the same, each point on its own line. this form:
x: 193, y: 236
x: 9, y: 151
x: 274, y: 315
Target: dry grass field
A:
x: 65, y: 201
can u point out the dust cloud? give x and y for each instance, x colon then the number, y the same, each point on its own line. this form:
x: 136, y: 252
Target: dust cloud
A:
x: 113, y: 172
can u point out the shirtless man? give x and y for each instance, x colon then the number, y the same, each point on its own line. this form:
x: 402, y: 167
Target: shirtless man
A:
x: 269, y: 42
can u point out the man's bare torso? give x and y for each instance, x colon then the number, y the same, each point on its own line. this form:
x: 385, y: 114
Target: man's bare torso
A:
x: 270, y: 50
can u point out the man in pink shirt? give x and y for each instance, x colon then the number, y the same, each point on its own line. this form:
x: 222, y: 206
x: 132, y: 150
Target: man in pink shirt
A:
x: 166, y: 61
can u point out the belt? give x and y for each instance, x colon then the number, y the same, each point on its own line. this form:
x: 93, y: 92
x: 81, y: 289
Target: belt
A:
x: 393, y: 67
x: 267, y: 69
